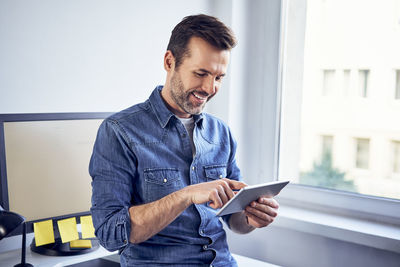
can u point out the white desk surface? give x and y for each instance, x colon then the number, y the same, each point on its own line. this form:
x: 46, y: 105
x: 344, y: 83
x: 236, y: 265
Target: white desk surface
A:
x: 10, y: 258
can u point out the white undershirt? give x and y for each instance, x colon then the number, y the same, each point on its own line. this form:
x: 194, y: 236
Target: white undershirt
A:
x: 189, y: 126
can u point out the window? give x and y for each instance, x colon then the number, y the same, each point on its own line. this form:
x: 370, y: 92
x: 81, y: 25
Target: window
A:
x: 329, y: 80
x: 396, y: 156
x: 397, y: 90
x: 343, y: 51
x: 363, y: 83
x: 362, y: 153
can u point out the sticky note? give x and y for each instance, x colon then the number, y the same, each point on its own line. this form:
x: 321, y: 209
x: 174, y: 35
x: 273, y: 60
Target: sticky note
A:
x: 68, y: 229
x: 44, y: 233
x: 80, y: 244
x: 87, y: 227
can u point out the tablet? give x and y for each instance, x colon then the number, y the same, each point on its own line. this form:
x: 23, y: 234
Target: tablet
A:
x: 249, y: 193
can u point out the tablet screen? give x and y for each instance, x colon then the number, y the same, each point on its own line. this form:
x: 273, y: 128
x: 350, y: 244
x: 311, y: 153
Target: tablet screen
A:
x: 250, y: 193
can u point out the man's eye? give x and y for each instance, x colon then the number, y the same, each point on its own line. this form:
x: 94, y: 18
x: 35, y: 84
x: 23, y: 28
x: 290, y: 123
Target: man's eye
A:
x: 200, y: 74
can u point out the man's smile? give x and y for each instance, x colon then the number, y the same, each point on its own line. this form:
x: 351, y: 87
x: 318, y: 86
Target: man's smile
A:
x: 199, y: 99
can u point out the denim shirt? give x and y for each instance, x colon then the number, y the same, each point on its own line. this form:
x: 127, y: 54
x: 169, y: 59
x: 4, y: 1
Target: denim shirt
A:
x: 144, y: 153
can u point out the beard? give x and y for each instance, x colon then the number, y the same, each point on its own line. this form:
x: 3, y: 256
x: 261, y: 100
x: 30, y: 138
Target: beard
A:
x: 181, y: 96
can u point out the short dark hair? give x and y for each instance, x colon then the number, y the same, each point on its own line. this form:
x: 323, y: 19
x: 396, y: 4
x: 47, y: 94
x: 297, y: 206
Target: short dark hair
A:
x: 208, y: 28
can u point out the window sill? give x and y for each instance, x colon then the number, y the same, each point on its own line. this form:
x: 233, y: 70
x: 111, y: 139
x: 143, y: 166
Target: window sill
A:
x: 346, y: 228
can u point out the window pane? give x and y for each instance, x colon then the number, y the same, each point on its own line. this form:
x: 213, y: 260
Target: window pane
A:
x: 350, y: 55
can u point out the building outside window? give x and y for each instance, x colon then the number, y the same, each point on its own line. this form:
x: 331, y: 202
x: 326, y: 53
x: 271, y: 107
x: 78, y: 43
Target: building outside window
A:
x: 346, y: 82
x: 363, y: 83
x: 396, y: 156
x: 328, y: 82
x: 327, y: 145
x: 397, y: 89
x: 362, y: 153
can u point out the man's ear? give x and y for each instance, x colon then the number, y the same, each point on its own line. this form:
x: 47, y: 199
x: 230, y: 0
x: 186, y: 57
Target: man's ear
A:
x: 169, y: 61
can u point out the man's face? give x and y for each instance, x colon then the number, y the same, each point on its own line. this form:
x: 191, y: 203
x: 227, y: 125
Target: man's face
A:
x: 198, y: 78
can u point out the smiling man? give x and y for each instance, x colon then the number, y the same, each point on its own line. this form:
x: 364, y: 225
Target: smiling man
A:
x: 161, y: 168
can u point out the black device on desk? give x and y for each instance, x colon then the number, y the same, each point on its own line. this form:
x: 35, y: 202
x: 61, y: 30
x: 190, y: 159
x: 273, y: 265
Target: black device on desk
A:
x: 44, y: 160
x: 97, y: 263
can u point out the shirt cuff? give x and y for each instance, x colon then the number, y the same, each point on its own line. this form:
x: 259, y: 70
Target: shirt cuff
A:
x: 116, y: 236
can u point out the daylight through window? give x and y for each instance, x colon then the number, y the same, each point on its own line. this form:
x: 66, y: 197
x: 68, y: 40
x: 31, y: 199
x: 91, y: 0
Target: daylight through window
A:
x: 349, y: 112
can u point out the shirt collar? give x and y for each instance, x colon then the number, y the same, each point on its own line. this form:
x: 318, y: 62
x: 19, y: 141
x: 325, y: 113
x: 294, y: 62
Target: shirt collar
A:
x: 161, y: 111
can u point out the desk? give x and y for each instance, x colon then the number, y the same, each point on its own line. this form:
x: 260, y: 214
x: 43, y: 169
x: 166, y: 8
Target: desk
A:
x: 10, y: 258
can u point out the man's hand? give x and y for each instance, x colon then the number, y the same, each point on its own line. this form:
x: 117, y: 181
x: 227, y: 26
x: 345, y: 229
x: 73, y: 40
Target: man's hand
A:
x: 262, y: 212
x: 149, y: 219
x: 217, y: 192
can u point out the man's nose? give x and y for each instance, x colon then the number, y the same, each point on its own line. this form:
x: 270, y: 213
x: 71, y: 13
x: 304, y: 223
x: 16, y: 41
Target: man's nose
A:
x: 209, y: 86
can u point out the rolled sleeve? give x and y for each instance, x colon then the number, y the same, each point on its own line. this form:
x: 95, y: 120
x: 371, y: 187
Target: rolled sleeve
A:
x: 112, y: 167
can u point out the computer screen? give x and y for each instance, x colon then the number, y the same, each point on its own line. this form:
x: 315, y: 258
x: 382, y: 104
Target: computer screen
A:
x: 44, y: 164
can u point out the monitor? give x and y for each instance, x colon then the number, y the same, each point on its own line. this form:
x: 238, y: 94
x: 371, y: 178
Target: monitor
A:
x: 44, y: 161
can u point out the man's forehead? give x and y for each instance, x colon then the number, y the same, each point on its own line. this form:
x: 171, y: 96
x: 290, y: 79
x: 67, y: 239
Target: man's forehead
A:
x: 216, y: 65
x: 205, y: 57
x: 197, y: 44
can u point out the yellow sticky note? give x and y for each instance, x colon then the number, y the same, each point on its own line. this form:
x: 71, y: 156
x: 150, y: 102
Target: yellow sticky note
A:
x: 87, y: 227
x: 44, y: 233
x: 80, y: 244
x: 68, y: 229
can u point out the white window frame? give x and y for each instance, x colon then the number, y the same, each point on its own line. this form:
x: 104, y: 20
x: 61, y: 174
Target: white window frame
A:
x: 382, y: 212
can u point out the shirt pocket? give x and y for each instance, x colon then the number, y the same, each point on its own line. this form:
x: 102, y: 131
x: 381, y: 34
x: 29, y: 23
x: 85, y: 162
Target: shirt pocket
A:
x: 161, y: 182
x: 214, y: 172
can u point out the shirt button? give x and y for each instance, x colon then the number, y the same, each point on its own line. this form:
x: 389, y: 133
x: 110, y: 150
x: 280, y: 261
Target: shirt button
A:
x: 220, y: 176
x: 211, y: 265
x: 165, y: 180
x: 202, y: 232
x: 205, y: 247
x: 193, y: 167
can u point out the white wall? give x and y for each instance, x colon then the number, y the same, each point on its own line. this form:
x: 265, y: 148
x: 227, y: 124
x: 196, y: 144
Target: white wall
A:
x: 84, y: 55
x: 290, y: 248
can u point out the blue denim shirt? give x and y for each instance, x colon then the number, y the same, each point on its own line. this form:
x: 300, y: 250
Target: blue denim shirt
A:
x: 144, y: 153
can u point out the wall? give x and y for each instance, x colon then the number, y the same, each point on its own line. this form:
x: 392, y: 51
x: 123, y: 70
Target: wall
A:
x: 287, y: 247
x: 59, y: 56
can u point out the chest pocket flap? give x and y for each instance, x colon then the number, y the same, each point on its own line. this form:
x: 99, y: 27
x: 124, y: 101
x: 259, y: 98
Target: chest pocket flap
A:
x: 214, y: 172
x: 161, y: 176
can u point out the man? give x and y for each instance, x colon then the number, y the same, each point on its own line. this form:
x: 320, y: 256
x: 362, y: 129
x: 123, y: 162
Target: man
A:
x: 162, y: 167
